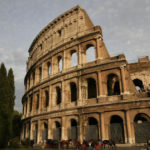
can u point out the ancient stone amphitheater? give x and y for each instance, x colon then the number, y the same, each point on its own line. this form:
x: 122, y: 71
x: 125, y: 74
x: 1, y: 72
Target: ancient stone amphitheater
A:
x: 75, y: 90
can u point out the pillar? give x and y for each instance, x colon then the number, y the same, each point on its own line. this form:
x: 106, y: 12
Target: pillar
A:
x: 130, y: 128
x: 102, y: 126
x: 124, y: 85
x: 63, y: 94
x: 39, y: 137
x: 79, y: 92
x: 50, y: 129
x: 64, y: 128
x: 79, y: 56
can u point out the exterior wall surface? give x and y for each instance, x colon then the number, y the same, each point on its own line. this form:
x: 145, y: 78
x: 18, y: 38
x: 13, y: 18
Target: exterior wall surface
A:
x: 93, y: 94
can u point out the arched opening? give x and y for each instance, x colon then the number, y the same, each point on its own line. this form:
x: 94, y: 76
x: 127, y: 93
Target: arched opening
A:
x: 59, y: 64
x: 58, y: 95
x: 73, y: 89
x: 46, y: 98
x: 31, y: 100
x: 92, y: 129
x: 37, y: 101
x: 73, y: 131
x: 40, y: 73
x: 90, y: 53
x: 45, y: 132
x: 57, y: 131
x: 138, y: 84
x: 92, y: 93
x: 113, y: 86
x: 116, y: 129
x: 74, y: 58
x: 49, y: 68
x: 142, y: 128
x: 35, y: 133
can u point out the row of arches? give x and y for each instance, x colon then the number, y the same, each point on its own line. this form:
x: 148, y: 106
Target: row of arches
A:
x: 113, y: 88
x: 92, y: 129
x: 56, y: 65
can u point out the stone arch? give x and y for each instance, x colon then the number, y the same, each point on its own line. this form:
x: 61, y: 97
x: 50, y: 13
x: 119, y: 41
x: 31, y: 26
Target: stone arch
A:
x: 46, y: 98
x: 142, y: 127
x: 73, y: 91
x: 35, y: 132
x: 113, y: 85
x: 60, y: 65
x: 74, y: 58
x: 90, y: 53
x: 58, y: 95
x: 57, y: 131
x: 73, y: 130
x: 92, y: 90
x: 40, y: 73
x: 49, y: 69
x: 117, y: 129
x: 92, y: 130
x: 138, y: 84
x: 44, y: 130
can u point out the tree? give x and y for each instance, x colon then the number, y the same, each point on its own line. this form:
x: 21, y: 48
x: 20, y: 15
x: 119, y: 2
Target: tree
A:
x: 12, y: 88
x: 7, y: 97
x: 4, y: 107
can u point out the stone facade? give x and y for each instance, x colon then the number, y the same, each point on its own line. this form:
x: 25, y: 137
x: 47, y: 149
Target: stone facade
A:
x: 70, y: 95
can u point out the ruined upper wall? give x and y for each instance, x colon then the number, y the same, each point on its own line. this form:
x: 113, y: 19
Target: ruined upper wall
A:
x: 67, y: 25
x: 141, y: 71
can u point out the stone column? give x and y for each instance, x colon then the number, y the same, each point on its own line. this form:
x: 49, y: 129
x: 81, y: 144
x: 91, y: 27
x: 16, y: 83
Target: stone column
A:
x: 39, y: 137
x: 124, y: 85
x: 79, y: 102
x: 81, y: 126
x: 130, y: 128
x: 79, y: 56
x: 31, y: 130
x: 63, y: 92
x: 64, y: 128
x: 40, y: 101
x: 50, y: 129
x: 64, y: 61
x: 103, y: 126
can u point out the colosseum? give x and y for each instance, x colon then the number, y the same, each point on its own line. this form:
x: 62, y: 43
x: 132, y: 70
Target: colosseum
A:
x: 75, y: 90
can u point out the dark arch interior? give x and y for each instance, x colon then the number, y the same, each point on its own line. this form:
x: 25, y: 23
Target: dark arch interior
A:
x: 57, y: 124
x: 141, y: 117
x: 45, y: 126
x: 46, y: 98
x: 92, y: 121
x: 37, y: 104
x: 58, y: 91
x: 116, y: 119
x: 73, y: 122
x: 139, y: 84
x: 91, y: 88
x: 73, y: 88
x: 113, y: 85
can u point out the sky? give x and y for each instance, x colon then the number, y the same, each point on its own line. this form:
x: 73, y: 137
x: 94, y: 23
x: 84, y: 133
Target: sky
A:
x: 125, y: 25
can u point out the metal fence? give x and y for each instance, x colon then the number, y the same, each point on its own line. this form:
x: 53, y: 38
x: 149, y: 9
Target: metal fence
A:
x: 142, y: 132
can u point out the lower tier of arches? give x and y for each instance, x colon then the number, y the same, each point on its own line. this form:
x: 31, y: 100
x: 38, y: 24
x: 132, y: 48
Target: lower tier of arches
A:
x: 126, y: 126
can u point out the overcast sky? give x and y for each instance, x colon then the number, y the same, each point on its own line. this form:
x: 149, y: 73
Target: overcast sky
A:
x: 125, y: 25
